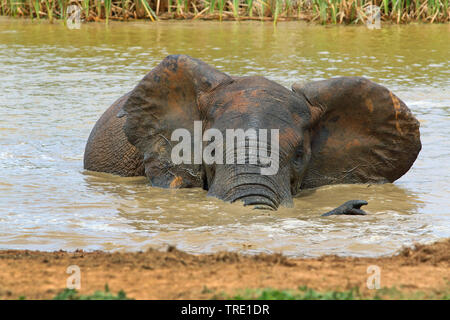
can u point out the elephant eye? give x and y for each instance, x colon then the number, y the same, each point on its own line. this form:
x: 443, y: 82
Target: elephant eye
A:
x: 298, y: 156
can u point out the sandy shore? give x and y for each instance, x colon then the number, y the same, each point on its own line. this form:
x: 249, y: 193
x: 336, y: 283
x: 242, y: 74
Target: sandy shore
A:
x: 178, y: 275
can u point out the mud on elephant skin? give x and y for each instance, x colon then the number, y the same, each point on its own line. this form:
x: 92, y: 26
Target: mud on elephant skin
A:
x: 341, y: 130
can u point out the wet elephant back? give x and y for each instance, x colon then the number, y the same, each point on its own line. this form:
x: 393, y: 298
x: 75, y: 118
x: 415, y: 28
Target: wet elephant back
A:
x: 108, y: 149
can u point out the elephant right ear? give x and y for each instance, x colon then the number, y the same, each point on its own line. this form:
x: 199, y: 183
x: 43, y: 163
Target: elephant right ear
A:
x: 170, y: 97
x: 360, y: 132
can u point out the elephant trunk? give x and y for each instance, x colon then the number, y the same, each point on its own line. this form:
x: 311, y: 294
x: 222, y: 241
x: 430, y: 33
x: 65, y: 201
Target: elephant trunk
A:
x: 257, y: 195
x: 245, y: 183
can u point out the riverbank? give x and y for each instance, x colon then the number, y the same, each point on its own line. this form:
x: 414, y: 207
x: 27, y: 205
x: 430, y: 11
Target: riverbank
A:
x: 321, y: 11
x: 420, y: 272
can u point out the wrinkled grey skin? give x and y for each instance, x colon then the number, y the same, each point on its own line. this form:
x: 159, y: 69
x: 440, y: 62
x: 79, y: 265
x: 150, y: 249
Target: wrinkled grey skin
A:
x: 108, y: 149
x: 342, y: 130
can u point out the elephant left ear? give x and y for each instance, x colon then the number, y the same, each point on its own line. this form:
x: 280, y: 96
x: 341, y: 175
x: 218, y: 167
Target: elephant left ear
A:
x: 170, y: 97
x: 360, y: 132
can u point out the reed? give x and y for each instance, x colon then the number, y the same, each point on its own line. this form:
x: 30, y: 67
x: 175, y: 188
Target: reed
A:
x: 86, y: 6
x: 221, y: 4
x: 151, y: 14
x: 322, y: 11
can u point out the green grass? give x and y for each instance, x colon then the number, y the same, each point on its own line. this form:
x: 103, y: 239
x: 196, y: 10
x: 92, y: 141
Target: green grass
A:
x: 72, y: 294
x: 305, y: 293
x: 323, y: 11
x: 302, y: 293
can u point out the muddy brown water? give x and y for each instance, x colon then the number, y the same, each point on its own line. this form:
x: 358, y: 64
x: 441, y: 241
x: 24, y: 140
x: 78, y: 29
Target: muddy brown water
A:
x: 56, y: 82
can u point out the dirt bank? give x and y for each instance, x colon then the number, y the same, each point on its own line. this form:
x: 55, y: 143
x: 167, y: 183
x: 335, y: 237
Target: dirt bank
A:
x: 178, y: 275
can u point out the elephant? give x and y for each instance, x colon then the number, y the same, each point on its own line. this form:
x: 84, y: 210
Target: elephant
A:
x: 337, y: 131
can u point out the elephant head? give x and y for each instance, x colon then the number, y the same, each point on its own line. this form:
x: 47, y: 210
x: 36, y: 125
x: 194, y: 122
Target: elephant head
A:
x: 342, y: 130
